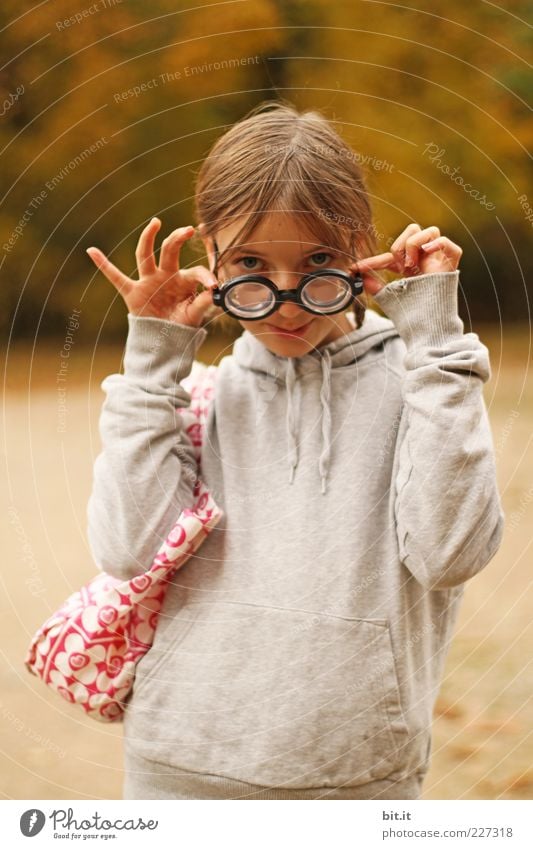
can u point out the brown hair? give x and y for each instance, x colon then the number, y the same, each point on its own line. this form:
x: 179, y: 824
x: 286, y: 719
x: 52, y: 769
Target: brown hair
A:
x: 278, y: 158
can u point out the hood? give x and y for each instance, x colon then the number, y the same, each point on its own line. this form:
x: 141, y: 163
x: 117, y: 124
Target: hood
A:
x: 250, y: 353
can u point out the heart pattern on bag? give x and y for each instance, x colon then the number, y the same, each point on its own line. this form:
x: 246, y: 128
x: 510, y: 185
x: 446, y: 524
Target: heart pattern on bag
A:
x: 88, y: 649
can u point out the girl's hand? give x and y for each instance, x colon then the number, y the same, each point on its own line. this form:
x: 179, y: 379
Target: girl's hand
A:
x: 162, y: 291
x: 415, y: 251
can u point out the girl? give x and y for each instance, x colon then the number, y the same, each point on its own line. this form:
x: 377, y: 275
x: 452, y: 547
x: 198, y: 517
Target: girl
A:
x: 300, y: 651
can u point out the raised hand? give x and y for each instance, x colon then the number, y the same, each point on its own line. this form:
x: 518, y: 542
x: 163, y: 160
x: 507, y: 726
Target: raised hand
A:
x: 415, y: 251
x: 162, y: 291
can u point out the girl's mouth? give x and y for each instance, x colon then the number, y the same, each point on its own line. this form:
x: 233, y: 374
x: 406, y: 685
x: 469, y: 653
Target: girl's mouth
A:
x: 280, y: 331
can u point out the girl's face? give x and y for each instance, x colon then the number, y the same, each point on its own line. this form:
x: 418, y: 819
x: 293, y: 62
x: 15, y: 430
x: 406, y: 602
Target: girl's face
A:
x: 282, y: 250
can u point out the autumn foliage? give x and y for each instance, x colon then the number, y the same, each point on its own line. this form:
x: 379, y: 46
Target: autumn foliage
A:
x: 109, y: 107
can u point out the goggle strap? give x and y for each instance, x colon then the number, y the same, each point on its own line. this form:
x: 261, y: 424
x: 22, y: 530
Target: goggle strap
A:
x: 215, y: 269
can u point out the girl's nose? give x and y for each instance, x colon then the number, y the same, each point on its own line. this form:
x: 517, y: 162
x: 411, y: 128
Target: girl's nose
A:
x: 289, y: 310
x: 287, y: 280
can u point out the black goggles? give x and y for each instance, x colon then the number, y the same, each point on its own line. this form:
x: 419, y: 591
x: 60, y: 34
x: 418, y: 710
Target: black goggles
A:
x: 252, y: 297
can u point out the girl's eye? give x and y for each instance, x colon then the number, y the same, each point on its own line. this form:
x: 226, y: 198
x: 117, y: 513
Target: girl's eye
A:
x: 321, y: 258
x: 249, y: 262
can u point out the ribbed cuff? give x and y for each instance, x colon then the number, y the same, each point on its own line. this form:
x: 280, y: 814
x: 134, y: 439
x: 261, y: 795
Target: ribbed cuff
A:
x: 160, y: 351
x: 424, y: 309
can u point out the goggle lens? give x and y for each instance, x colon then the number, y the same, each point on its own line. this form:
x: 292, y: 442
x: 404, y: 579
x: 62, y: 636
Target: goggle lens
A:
x: 250, y: 299
x: 326, y: 293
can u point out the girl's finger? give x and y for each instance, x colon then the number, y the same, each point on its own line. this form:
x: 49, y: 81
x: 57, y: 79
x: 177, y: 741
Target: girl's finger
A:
x: 380, y: 261
x: 193, y: 310
x: 113, y: 274
x: 372, y: 283
x: 169, y: 257
x: 211, y: 313
x: 368, y: 268
x: 199, y: 274
x: 144, y: 253
x: 398, y: 246
x: 415, y: 241
x: 451, y: 251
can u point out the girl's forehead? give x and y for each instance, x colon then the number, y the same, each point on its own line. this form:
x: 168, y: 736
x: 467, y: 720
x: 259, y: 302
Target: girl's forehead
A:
x: 275, y: 230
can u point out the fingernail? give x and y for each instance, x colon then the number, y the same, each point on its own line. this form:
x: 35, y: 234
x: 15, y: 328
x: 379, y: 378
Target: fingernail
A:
x: 428, y: 244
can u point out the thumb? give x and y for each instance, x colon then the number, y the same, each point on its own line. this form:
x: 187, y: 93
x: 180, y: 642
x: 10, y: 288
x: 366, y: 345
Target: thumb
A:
x: 200, y: 308
x: 372, y: 283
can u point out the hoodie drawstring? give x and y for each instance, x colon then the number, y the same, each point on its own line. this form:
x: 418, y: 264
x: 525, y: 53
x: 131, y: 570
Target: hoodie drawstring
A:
x: 290, y: 379
x: 325, y: 394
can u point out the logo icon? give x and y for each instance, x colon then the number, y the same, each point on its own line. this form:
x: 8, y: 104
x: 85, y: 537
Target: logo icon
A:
x: 32, y: 822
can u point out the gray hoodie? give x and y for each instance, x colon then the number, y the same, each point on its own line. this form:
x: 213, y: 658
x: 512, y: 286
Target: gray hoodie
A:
x: 300, y: 651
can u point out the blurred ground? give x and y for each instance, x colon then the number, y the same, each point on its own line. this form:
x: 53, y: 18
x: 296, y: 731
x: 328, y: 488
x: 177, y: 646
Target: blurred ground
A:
x: 482, y: 745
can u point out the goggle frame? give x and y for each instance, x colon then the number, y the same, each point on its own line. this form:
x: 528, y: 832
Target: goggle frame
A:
x: 281, y: 296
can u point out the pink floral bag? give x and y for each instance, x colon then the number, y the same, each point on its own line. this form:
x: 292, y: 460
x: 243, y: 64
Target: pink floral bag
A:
x: 88, y: 649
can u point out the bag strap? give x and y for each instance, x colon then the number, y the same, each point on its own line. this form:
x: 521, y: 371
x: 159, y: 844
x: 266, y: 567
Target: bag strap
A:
x: 195, y: 523
x: 200, y: 384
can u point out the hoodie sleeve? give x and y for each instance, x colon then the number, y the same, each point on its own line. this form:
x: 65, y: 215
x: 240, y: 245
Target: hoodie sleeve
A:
x: 146, y: 470
x: 449, y: 518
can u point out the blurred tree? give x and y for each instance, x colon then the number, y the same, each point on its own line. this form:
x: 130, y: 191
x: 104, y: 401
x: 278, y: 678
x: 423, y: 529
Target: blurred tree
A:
x: 440, y: 93
x: 119, y: 105
x: 109, y: 108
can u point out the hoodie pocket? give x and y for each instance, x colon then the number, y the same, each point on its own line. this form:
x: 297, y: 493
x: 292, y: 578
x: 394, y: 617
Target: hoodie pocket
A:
x: 270, y: 696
